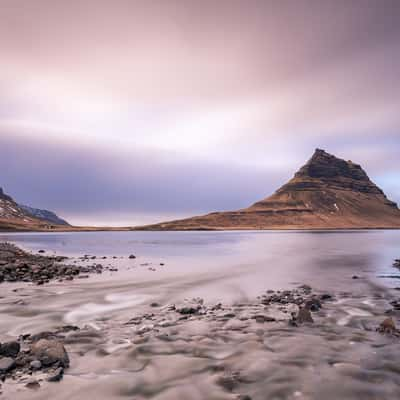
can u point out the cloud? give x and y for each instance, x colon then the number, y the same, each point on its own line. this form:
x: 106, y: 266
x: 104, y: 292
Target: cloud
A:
x: 188, y: 106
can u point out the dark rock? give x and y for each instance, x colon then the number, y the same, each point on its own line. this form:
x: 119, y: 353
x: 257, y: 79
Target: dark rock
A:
x: 33, y: 384
x: 355, y: 277
x: 313, y: 304
x: 304, y: 315
x: 188, y: 309
x: 132, y: 256
x: 56, y: 376
x: 228, y: 382
x: 263, y: 318
x: 9, y: 349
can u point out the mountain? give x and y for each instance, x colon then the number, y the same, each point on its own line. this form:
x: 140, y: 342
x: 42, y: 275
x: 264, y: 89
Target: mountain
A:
x: 16, y: 217
x: 326, y: 193
x: 44, y: 215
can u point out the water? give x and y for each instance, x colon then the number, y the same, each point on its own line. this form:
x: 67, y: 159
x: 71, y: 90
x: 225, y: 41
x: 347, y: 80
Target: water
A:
x: 228, y: 267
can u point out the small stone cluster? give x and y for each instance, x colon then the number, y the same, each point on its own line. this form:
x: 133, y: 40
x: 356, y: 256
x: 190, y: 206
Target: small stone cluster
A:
x: 17, y: 265
x: 396, y: 263
x: 42, y: 356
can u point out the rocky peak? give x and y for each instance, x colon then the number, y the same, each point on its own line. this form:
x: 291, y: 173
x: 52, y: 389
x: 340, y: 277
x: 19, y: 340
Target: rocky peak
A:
x: 4, y: 196
x: 326, y: 170
x: 325, y: 165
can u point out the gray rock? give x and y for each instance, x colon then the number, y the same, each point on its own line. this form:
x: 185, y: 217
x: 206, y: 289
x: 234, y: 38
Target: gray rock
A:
x: 35, y: 364
x: 6, y: 364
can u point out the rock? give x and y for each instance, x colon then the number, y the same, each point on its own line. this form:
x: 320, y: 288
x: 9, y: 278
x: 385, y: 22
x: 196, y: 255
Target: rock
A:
x: 56, y: 376
x: 132, y: 256
x: 304, y: 315
x: 263, y: 318
x: 42, y: 251
x: 228, y: 382
x: 387, y: 326
x: 35, y: 365
x: 243, y: 397
x: 188, y: 309
x: 49, y: 352
x: 355, y: 277
x: 6, y: 364
x: 144, y: 329
x: 313, y: 304
x: 9, y: 349
x: 32, y: 384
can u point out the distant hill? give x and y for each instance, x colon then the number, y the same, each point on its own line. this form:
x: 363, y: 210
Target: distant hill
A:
x: 17, y: 217
x: 326, y: 193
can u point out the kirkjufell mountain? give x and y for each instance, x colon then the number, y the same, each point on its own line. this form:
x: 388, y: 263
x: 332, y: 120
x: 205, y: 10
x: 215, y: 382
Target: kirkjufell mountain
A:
x: 326, y: 193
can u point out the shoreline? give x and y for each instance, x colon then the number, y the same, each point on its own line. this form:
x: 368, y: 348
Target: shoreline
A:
x: 244, y: 229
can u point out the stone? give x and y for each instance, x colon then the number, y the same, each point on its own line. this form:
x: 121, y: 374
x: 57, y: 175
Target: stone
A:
x: 56, y: 376
x: 50, y: 352
x: 313, y: 304
x: 228, y: 382
x: 35, y: 365
x: 10, y: 349
x: 304, y: 315
x: 132, y: 256
x: 32, y: 384
x: 387, y: 326
x: 189, y: 309
x: 6, y: 364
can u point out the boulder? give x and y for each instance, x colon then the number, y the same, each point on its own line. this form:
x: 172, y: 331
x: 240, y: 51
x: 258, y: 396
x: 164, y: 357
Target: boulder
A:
x: 49, y: 352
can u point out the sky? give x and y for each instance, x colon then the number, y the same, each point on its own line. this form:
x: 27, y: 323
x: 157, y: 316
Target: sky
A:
x: 124, y: 112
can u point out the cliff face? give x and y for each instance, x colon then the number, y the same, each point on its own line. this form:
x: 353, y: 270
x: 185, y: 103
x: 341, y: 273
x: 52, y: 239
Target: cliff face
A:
x: 327, y: 192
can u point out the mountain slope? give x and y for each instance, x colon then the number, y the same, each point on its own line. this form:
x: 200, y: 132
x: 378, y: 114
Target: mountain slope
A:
x: 326, y: 193
x: 44, y: 215
x: 16, y: 217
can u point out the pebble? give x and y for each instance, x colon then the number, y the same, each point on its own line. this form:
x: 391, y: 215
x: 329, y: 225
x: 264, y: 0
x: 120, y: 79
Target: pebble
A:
x: 35, y: 364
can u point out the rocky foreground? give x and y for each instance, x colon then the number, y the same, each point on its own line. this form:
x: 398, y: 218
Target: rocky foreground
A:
x: 17, y: 265
x: 221, y: 339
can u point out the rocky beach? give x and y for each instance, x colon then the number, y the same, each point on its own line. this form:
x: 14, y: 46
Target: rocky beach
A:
x: 153, y: 337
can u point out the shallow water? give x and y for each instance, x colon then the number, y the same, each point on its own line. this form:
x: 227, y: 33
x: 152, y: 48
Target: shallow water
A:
x: 228, y: 267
